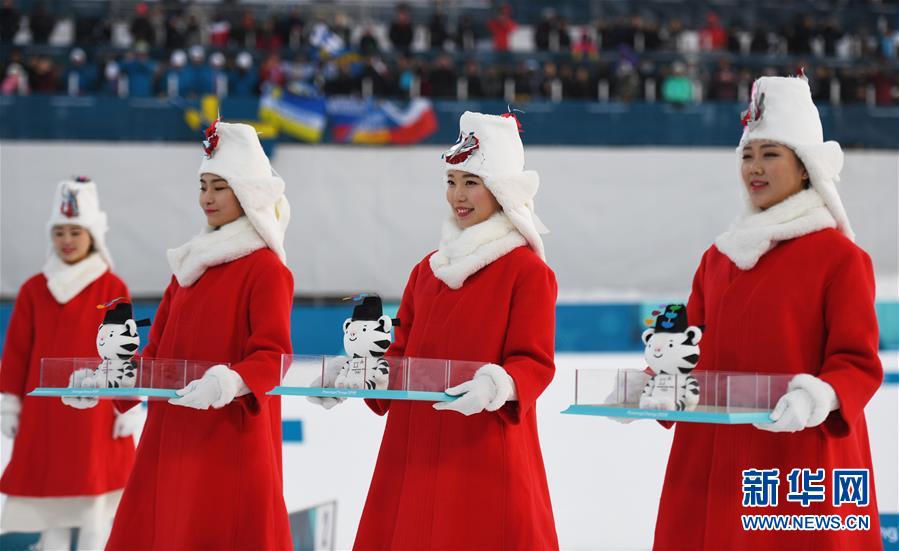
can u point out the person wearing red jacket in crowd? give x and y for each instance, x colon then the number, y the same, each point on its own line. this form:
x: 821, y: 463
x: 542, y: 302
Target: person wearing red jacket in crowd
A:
x: 501, y: 27
x: 208, y: 471
x: 784, y: 290
x: 468, y: 474
x: 68, y: 467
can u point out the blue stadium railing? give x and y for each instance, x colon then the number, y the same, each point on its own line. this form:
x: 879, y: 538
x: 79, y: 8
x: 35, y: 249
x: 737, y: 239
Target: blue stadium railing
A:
x: 572, y: 122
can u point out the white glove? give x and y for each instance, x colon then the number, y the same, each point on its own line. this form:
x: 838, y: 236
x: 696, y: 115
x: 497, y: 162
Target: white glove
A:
x: 126, y: 424
x: 489, y: 389
x: 10, y: 407
x: 216, y: 388
x: 83, y: 378
x: 332, y: 370
x: 807, y: 403
x: 629, y: 387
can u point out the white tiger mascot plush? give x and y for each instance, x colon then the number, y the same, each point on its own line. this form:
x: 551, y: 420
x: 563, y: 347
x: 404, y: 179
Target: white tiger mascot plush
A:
x: 366, y: 337
x: 672, y: 352
x: 117, y: 343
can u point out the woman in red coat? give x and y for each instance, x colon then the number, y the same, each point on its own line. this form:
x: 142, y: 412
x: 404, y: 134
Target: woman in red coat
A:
x: 211, y: 478
x: 68, y: 467
x: 785, y: 290
x: 475, y: 480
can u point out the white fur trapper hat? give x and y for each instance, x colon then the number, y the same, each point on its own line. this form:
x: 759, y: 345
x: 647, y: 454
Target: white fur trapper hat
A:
x: 76, y: 202
x: 781, y: 110
x: 234, y: 153
x: 489, y: 146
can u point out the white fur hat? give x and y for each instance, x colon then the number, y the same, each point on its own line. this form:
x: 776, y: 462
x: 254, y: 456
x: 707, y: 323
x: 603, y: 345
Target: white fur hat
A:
x: 489, y: 146
x: 76, y: 202
x: 233, y: 152
x: 781, y: 110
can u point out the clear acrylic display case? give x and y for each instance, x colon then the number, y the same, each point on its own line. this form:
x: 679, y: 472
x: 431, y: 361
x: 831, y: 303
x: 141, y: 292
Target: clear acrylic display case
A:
x: 724, y: 397
x: 147, y: 377
x: 423, y: 379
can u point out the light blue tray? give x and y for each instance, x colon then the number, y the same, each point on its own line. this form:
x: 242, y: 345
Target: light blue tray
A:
x: 717, y: 417
x: 360, y: 393
x: 105, y: 392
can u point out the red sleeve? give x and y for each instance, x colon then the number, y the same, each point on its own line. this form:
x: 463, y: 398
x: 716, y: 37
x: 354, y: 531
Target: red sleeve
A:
x: 401, y: 333
x: 528, y: 353
x: 18, y: 345
x: 851, y: 363
x: 157, y: 327
x: 271, y: 300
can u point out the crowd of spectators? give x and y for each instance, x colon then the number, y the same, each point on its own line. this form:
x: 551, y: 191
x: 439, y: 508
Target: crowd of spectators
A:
x: 176, y: 49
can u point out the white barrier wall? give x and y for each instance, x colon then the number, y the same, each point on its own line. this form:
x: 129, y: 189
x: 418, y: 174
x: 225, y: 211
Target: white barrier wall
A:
x: 625, y: 221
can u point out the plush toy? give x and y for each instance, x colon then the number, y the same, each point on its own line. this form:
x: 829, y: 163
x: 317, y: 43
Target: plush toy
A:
x: 672, y: 352
x: 366, y: 337
x: 117, y: 343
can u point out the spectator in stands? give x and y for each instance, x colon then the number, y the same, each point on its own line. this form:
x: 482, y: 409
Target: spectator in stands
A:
x: 175, y: 31
x: 271, y: 73
x: 724, y: 83
x: 442, y: 78
x: 243, y: 80
x: 81, y: 77
x: 438, y: 31
x: 292, y: 27
x: 564, y: 35
x: 43, y: 76
x: 501, y: 28
x: 582, y: 87
x: 466, y: 34
x: 141, y: 28
x: 585, y: 47
x: 10, y: 20
x: 41, y: 23
x: 15, y: 82
x: 198, y: 75
x: 712, y: 37
x: 473, y: 77
x: 544, y: 28
x: 821, y: 83
x: 112, y: 78
x: 401, y: 32
x: 677, y: 87
x: 883, y: 79
x: 219, y: 30
x: 177, y: 80
x: 141, y: 72
x: 405, y: 76
x: 548, y: 80
x: 626, y: 81
x: 218, y: 74
x: 368, y: 42
x: 342, y: 27
x: 267, y: 37
x: 243, y: 34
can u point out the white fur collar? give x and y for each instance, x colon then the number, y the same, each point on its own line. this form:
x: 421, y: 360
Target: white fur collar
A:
x: 755, y: 233
x: 65, y: 281
x: 213, y: 247
x: 464, y: 252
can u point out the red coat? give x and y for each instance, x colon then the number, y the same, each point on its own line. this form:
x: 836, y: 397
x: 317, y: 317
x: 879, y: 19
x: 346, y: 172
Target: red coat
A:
x: 60, y: 451
x: 211, y: 479
x: 806, y: 307
x: 446, y: 481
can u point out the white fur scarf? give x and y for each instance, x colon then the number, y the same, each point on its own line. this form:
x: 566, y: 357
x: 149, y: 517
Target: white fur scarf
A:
x: 213, y: 247
x: 757, y: 232
x: 464, y: 252
x: 65, y: 281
